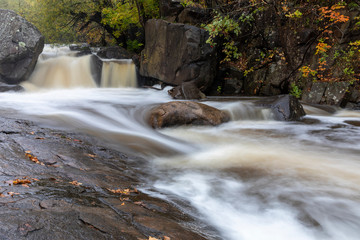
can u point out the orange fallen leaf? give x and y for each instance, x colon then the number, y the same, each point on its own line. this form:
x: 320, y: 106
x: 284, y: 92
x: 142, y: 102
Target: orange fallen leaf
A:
x: 21, y: 181
x: 13, y: 193
x: 33, y: 158
x: 76, y: 183
x: 91, y: 155
x: 123, y: 204
x: 166, y: 238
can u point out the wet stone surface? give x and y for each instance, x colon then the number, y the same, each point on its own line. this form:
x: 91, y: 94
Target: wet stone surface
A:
x: 61, y: 185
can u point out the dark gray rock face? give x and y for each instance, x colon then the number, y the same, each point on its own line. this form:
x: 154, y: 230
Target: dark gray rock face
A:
x: 20, y: 45
x: 186, y: 90
x: 96, y: 68
x: 327, y: 93
x: 185, y: 113
x: 177, y: 53
x: 10, y: 88
x: 114, y: 52
x: 284, y: 107
x: 193, y: 15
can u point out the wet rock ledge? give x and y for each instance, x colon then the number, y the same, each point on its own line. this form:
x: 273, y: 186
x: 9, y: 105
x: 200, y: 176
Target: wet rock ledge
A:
x: 62, y: 185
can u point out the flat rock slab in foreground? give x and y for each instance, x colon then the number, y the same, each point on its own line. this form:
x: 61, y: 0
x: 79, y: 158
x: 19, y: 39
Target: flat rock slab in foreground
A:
x: 185, y: 113
x: 58, y: 185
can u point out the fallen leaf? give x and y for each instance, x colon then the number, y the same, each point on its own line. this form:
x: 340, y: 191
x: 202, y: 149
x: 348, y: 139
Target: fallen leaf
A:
x: 123, y: 204
x: 13, y: 193
x: 125, y: 191
x: 91, y: 155
x: 152, y: 238
x: 166, y: 238
x: 33, y: 158
x: 76, y: 183
x: 21, y: 181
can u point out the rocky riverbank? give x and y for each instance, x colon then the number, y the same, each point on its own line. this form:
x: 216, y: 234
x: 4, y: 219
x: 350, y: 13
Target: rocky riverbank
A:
x: 64, y: 185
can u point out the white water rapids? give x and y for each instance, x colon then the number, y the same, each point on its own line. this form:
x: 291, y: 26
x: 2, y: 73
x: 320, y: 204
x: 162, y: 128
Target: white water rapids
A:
x: 250, y: 179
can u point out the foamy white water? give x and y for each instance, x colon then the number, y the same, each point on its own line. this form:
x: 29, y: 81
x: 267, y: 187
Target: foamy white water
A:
x: 250, y: 179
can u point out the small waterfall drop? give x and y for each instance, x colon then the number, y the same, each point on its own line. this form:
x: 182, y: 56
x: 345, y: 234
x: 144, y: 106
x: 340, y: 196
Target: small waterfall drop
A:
x: 118, y: 73
x: 61, y: 72
x: 61, y: 69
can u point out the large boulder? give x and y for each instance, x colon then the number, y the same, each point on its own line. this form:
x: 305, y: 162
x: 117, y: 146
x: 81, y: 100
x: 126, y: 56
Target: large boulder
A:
x: 185, y: 113
x: 20, y: 45
x: 333, y: 93
x: 177, y: 53
x: 284, y: 107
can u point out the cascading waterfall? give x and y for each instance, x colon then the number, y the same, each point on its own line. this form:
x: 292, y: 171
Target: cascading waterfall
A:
x: 61, y: 69
x: 61, y: 73
x: 119, y: 73
x: 250, y: 179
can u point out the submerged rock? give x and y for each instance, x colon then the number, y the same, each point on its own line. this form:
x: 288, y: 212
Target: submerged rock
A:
x: 284, y: 107
x: 20, y: 45
x: 7, y: 88
x: 184, y: 113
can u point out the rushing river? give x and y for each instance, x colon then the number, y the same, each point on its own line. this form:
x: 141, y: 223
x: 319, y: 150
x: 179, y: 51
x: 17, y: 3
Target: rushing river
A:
x: 252, y: 178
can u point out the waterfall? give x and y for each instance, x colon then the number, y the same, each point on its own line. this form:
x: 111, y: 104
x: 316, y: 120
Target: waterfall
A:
x: 63, y: 70
x: 119, y: 73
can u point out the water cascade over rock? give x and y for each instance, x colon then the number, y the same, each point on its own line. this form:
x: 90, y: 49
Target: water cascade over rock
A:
x: 120, y: 73
x: 65, y: 70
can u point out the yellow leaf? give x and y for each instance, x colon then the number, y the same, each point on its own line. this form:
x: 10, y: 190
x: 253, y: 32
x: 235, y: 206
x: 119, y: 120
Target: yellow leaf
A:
x: 152, y: 238
x: 75, y: 183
